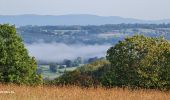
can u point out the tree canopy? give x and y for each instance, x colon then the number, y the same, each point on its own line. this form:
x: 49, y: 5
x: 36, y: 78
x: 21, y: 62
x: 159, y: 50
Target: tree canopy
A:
x: 141, y: 61
x: 15, y: 64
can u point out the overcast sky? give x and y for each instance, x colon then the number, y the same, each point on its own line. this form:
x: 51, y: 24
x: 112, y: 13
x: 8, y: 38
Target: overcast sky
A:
x: 141, y: 9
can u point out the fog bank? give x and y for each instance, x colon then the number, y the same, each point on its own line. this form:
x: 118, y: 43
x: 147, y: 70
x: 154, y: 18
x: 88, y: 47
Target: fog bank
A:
x: 57, y: 52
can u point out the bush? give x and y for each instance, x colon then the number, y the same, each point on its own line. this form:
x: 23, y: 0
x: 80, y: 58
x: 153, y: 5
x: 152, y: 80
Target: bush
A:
x: 105, y: 76
x: 15, y: 64
x: 85, y: 76
x: 140, y: 61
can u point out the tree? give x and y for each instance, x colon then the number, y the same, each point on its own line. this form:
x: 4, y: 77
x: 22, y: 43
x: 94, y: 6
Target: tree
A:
x: 53, y: 67
x: 90, y: 60
x: 78, y: 61
x: 68, y: 63
x: 141, y: 61
x: 15, y: 64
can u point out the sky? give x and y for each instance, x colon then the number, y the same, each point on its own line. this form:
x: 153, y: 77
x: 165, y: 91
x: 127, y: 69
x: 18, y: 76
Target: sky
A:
x: 140, y: 9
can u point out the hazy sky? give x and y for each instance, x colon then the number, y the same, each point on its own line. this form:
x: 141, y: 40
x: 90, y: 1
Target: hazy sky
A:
x: 141, y: 9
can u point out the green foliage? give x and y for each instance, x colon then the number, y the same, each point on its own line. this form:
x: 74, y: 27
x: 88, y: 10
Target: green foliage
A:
x: 84, y: 76
x: 105, y: 75
x: 75, y: 78
x: 15, y: 64
x: 136, y: 62
x: 93, y: 66
x: 141, y: 61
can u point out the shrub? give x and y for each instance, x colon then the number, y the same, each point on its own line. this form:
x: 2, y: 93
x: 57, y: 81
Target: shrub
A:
x: 105, y: 76
x: 85, y: 76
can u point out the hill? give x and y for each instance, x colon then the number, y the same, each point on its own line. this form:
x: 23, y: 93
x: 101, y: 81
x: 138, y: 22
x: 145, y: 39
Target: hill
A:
x: 75, y: 19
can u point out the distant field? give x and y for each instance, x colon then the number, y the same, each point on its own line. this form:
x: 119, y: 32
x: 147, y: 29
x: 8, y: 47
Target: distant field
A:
x: 76, y: 93
x: 48, y: 74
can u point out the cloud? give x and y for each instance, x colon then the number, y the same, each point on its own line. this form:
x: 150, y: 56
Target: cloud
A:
x: 57, y: 52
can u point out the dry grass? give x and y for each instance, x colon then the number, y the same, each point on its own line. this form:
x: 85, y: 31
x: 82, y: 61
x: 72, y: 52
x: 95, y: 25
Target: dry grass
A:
x: 76, y: 93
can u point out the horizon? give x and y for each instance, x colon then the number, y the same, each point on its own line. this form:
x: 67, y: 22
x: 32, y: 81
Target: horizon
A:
x: 84, y: 15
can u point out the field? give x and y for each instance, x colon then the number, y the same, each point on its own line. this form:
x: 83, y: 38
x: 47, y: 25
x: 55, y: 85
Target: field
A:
x: 48, y: 74
x: 12, y: 92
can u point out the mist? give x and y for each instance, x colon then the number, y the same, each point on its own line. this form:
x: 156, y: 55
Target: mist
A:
x: 57, y: 52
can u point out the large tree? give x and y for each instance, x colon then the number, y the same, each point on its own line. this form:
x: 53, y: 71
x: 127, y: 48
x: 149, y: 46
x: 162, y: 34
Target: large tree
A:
x: 15, y: 64
x: 141, y: 61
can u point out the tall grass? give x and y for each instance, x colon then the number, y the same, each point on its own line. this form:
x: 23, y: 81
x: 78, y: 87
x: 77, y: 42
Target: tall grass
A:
x: 76, y: 93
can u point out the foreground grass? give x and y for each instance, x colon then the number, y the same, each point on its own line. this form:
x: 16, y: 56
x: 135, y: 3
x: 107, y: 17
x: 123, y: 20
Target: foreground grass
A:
x: 76, y: 93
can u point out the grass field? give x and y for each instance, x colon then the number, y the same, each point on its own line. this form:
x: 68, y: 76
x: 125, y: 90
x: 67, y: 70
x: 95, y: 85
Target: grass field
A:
x: 75, y: 93
x: 48, y: 74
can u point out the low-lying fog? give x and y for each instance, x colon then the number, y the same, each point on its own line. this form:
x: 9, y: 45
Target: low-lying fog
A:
x: 57, y: 52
